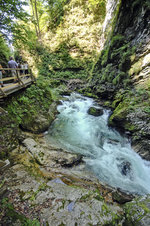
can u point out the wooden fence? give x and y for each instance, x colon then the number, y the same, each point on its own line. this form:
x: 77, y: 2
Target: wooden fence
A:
x: 11, y: 83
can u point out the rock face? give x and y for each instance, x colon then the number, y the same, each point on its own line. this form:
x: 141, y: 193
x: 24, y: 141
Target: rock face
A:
x: 121, y: 74
x: 74, y: 84
x: 47, y: 185
x: 66, y: 194
x: 41, y: 122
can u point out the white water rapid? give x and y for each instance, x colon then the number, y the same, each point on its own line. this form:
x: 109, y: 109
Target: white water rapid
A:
x: 107, y: 153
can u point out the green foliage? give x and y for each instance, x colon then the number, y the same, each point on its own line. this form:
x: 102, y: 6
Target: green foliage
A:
x: 55, y: 10
x: 9, y: 214
x: 114, y: 63
x: 117, y: 41
x: 104, y: 57
x: 98, y: 7
x: 25, y: 36
x: 59, y: 64
x: 11, y: 10
x: 30, y: 103
x: 4, y: 52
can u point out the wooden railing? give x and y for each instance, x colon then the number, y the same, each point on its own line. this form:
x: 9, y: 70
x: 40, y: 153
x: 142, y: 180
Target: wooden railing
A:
x: 13, y: 83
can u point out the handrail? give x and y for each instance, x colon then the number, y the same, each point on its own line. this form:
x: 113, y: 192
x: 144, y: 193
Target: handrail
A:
x: 18, y: 69
x: 22, y: 80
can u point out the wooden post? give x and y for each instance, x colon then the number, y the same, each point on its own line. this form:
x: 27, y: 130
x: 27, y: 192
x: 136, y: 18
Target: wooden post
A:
x: 4, y: 94
x: 18, y: 77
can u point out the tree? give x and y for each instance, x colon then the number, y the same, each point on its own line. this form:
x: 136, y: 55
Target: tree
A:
x: 10, y: 11
x: 35, y: 17
x: 5, y: 52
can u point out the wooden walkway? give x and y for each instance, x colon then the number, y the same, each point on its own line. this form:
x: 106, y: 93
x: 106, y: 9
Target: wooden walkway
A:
x: 13, y: 84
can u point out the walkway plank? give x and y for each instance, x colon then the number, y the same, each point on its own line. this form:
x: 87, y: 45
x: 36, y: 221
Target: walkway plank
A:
x: 10, y: 88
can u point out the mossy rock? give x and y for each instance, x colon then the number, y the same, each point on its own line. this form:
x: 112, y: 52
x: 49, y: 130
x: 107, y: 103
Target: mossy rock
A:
x: 137, y: 212
x: 95, y: 111
x: 41, y: 122
x: 119, y: 115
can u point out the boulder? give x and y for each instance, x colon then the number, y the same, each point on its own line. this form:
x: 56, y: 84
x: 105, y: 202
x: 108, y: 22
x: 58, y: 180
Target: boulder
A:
x: 41, y: 122
x: 95, y: 111
x: 53, y: 157
x: 137, y: 212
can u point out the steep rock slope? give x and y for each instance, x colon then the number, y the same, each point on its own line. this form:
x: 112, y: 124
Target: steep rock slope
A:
x: 122, y: 73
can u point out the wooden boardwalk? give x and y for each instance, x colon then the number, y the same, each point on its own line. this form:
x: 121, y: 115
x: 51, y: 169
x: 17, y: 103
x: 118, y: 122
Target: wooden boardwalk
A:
x: 13, y: 84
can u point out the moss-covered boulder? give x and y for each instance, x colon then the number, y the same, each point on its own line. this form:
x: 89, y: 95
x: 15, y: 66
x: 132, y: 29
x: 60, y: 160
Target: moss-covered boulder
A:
x: 41, y: 122
x: 137, y: 212
x: 95, y: 111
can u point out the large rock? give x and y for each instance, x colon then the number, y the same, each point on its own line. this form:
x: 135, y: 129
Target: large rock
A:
x: 137, y: 212
x: 74, y: 84
x: 56, y: 203
x: 95, y: 111
x: 41, y: 122
x: 54, y: 157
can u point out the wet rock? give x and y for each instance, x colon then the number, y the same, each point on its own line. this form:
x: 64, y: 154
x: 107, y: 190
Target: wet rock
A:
x: 54, y: 157
x: 125, y: 168
x: 74, y: 84
x: 95, y: 111
x: 137, y: 212
x: 55, y: 202
x: 70, y: 161
x: 122, y: 197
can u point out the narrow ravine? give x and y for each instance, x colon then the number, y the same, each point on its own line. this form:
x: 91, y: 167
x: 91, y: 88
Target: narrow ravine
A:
x: 106, y: 153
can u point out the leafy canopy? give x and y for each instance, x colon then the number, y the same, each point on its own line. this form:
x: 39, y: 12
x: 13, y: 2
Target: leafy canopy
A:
x: 10, y: 11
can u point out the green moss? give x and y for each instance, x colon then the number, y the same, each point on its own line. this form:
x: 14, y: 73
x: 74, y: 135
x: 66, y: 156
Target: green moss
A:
x: 119, y: 113
x: 136, y: 68
x: 107, y: 104
x: 104, y: 56
x: 98, y: 196
x: 27, y: 106
x: 9, y: 214
x: 135, y: 211
x: 84, y: 197
x: 2, y: 183
x: 130, y: 127
x: 117, y: 41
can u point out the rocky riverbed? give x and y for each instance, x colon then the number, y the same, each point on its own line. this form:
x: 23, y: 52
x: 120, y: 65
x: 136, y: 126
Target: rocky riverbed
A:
x: 45, y: 185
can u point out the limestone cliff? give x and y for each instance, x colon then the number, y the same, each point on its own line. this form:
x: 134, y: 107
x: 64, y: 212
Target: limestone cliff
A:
x: 122, y: 73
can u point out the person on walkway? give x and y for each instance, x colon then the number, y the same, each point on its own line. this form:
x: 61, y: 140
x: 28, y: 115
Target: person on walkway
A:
x: 1, y: 71
x: 22, y: 68
x: 26, y: 67
x: 13, y: 64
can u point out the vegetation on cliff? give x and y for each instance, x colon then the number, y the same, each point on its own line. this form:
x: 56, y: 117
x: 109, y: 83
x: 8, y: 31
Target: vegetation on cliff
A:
x: 60, y: 40
x: 121, y: 74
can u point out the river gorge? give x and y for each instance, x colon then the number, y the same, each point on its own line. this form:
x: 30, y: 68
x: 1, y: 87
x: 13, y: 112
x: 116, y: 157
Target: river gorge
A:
x: 108, y: 154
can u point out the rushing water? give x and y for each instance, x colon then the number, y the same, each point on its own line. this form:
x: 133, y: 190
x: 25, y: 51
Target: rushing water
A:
x: 107, y: 153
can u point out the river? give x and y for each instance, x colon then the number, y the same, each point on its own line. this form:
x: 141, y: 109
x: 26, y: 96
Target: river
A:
x: 106, y: 153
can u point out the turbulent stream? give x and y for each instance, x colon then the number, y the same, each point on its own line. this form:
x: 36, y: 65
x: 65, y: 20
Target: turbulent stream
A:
x: 106, y: 153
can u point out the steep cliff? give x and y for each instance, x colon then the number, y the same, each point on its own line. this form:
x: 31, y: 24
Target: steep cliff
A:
x: 122, y: 73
